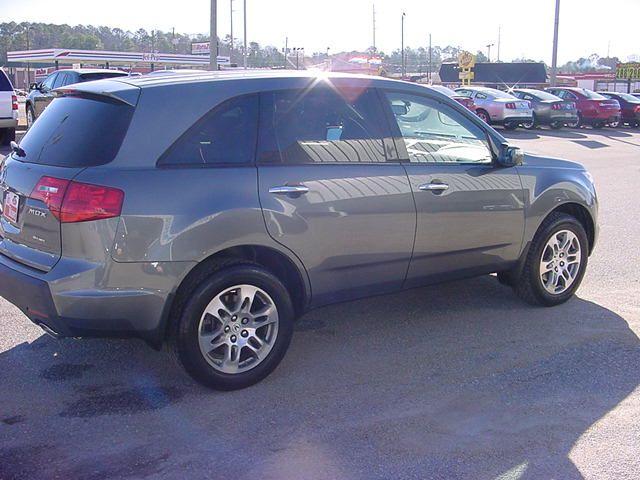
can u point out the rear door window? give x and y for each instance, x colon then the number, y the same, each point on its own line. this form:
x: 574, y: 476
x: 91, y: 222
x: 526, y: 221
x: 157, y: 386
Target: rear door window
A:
x: 77, y: 131
x: 322, y: 125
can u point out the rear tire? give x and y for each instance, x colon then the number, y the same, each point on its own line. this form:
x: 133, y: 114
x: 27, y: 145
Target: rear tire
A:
x: 484, y: 116
x: 7, y: 136
x: 577, y: 123
x: 565, y: 266
x: 31, y: 116
x: 531, y: 125
x: 220, y: 337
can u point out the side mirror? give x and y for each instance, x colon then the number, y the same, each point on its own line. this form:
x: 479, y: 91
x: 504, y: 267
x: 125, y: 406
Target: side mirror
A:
x: 34, y: 86
x: 511, y: 156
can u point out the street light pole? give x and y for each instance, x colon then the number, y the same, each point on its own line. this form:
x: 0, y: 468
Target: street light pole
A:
x: 489, y: 52
x: 213, y: 36
x: 231, y: 33
x: 402, y: 46
x: 554, y: 58
x: 429, y: 76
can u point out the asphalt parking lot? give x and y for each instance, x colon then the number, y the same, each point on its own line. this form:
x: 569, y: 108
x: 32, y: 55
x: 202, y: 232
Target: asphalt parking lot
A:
x: 460, y: 380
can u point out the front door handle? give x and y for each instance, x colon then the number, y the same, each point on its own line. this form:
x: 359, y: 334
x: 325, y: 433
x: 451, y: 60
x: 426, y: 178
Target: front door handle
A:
x: 433, y: 187
x: 289, y: 190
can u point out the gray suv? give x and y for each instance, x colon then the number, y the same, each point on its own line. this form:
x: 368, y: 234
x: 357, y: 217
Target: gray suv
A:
x: 209, y: 211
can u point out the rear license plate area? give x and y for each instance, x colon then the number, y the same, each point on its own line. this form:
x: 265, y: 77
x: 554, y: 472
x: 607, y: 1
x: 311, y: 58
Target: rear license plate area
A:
x: 11, y: 206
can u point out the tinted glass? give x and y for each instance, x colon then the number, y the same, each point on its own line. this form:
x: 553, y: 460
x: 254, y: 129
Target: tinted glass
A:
x: 497, y: 93
x: 5, y: 84
x: 61, y: 80
x: 592, y: 95
x: 545, y: 95
x: 436, y: 133
x: 49, y: 81
x: 226, y: 135
x: 624, y: 96
x: 322, y: 125
x: 77, y: 132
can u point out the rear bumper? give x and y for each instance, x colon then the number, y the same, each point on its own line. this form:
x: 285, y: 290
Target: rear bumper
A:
x: 563, y: 119
x: 129, y: 301
x: 9, y: 122
x: 516, y: 120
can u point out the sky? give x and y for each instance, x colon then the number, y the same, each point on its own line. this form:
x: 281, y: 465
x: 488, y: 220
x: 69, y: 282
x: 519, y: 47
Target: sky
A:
x: 344, y: 25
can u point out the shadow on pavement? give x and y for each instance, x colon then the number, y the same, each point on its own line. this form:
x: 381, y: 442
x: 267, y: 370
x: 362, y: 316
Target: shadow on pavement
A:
x: 454, y: 381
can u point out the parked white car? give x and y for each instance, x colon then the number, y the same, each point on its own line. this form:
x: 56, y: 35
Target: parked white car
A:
x: 8, y: 110
x: 499, y: 108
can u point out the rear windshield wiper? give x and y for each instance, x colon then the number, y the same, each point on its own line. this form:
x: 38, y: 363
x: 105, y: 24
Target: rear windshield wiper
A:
x: 18, y: 150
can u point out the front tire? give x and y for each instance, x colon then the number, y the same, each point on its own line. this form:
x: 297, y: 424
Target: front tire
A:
x: 577, y: 123
x: 531, y: 125
x: 556, y: 262
x: 235, y: 328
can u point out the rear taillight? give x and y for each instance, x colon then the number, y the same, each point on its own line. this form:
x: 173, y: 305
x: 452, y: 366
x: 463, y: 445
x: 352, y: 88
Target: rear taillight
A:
x: 510, y: 106
x: 637, y: 109
x: 50, y: 191
x: 556, y: 106
x: 14, y: 102
x: 72, y: 202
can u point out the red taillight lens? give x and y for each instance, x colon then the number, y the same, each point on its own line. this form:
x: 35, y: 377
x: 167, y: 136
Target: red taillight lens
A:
x: 510, y: 106
x: 637, y: 109
x: 556, y: 106
x: 72, y: 202
x: 14, y: 102
x: 51, y: 192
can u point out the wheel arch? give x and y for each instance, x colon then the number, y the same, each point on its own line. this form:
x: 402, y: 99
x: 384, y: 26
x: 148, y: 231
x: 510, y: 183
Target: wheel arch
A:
x: 582, y: 214
x: 286, y: 269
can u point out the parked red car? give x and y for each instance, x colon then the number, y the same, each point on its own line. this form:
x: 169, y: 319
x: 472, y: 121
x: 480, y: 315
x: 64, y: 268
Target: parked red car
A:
x: 466, y: 101
x: 630, y: 106
x: 593, y: 108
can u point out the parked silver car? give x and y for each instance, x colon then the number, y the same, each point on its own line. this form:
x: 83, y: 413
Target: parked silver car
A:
x: 265, y: 195
x: 41, y: 94
x: 499, y: 108
x: 547, y: 108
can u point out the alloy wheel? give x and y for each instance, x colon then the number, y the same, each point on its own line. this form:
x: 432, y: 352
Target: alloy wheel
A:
x: 238, y: 329
x: 560, y: 262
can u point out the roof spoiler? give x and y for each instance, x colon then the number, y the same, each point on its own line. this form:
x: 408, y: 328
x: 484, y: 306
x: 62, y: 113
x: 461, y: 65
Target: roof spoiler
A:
x: 119, y: 91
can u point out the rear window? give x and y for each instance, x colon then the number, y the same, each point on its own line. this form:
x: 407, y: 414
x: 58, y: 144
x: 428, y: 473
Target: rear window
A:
x: 592, y: 95
x: 88, y: 77
x: 5, y: 84
x: 77, y: 132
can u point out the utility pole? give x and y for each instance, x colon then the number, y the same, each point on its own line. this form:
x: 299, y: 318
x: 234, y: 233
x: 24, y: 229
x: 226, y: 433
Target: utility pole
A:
x: 499, y: 34
x: 429, y: 76
x: 374, y: 27
x: 286, y: 50
x: 213, y: 36
x: 28, y: 68
x: 245, y: 34
x: 231, y: 33
x: 554, y: 57
x: 402, y: 46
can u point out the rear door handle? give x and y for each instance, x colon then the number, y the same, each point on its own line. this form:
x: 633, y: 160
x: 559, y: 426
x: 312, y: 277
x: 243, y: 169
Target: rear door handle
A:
x: 433, y: 187
x: 289, y: 190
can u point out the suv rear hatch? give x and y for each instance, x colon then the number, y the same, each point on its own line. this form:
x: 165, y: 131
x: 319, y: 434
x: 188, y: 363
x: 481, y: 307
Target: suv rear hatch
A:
x: 37, y: 193
x: 6, y: 96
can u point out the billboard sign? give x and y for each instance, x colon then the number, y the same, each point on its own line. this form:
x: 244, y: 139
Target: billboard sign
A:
x: 628, y: 71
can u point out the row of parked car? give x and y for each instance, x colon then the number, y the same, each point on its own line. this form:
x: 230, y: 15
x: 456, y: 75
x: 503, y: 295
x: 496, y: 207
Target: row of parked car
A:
x: 556, y: 107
